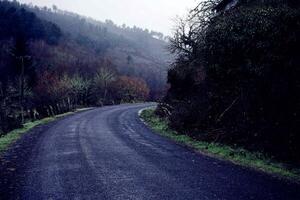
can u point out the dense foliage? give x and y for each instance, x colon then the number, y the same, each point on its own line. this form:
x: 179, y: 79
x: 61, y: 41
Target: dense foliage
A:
x: 236, y: 77
x: 17, y: 22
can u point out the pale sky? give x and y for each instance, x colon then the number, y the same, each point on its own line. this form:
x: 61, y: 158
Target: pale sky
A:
x: 155, y: 15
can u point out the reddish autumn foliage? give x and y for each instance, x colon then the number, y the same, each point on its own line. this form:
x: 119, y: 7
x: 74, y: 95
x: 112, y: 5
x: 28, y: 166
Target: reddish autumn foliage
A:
x: 131, y: 89
x: 50, y: 88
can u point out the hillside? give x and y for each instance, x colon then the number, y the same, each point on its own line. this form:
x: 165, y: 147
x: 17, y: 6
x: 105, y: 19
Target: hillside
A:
x: 52, y: 61
x: 134, y: 51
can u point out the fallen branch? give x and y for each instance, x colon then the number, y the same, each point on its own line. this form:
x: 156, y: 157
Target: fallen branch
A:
x: 227, y: 109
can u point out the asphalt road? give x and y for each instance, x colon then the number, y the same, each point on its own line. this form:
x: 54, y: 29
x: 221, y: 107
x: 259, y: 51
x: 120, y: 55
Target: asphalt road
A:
x: 108, y: 153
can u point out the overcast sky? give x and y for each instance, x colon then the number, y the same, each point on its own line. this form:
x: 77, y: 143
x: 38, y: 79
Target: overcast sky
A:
x: 155, y: 15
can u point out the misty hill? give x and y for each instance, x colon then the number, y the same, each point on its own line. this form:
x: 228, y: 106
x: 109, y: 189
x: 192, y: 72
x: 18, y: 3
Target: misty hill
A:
x: 133, y: 51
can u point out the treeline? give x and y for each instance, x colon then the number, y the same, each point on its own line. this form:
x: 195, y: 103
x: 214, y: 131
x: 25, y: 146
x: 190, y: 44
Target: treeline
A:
x: 44, y: 71
x: 236, y: 77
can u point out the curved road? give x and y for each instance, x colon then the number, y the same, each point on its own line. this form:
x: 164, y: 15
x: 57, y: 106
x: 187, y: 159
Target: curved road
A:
x: 108, y: 153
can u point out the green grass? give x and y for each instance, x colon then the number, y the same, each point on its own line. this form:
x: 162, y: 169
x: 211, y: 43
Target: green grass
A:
x: 238, y: 156
x: 13, y: 136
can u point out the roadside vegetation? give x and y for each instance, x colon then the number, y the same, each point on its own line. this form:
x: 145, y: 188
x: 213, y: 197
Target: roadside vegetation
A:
x: 239, y: 156
x: 235, y: 80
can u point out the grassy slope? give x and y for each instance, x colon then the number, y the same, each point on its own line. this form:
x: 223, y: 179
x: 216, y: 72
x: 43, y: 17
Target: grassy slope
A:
x: 239, y: 156
x: 13, y: 136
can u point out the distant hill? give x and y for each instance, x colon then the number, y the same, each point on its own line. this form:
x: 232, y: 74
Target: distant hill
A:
x: 133, y: 51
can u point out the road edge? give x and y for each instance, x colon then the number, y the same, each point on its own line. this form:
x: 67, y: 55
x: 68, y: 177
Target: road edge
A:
x: 9, y: 139
x: 285, y: 174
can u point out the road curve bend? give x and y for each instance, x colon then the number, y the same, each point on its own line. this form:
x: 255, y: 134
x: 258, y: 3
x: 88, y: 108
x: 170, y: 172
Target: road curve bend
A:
x: 108, y: 153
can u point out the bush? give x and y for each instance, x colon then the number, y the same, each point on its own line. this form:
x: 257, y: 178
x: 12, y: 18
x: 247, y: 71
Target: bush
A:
x: 237, y: 82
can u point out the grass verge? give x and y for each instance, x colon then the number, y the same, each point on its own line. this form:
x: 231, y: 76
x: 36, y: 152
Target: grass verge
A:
x: 13, y: 136
x: 236, y: 155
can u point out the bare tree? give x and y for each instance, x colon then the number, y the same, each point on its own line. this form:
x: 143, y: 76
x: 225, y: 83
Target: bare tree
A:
x: 190, y: 31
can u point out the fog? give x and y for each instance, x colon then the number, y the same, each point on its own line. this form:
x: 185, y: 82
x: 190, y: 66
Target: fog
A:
x: 155, y: 15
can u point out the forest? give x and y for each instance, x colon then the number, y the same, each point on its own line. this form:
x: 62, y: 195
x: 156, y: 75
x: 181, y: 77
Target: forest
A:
x: 235, y: 80
x: 53, y: 61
